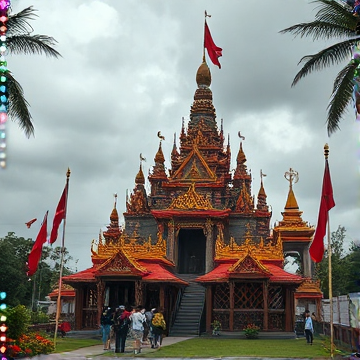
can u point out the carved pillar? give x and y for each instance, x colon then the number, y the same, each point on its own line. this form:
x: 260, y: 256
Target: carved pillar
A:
x: 289, y: 321
x: 208, y: 231
x: 162, y: 296
x: 231, y: 314
x: 306, y: 262
x: 139, y: 293
x: 100, y: 286
x: 266, y: 305
x: 209, y: 308
x: 171, y: 240
x: 79, y: 300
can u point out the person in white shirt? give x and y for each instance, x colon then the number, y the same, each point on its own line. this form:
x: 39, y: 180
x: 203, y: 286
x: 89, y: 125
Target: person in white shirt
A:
x: 309, y: 329
x: 137, y: 325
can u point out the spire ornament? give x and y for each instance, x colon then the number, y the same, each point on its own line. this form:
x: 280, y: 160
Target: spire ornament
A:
x: 292, y: 176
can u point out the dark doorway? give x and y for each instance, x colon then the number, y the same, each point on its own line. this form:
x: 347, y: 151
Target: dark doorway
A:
x: 192, y: 246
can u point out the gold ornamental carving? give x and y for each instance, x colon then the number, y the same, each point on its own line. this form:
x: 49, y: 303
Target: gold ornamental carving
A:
x: 309, y: 286
x: 248, y: 265
x: 259, y: 251
x: 132, y: 246
x: 191, y: 200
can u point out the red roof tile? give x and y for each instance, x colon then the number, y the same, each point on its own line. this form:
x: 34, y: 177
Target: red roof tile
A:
x: 87, y: 275
x: 158, y: 273
x: 277, y: 274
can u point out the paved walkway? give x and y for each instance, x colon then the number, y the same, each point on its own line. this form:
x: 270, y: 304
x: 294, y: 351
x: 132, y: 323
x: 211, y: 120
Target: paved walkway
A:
x: 97, y: 352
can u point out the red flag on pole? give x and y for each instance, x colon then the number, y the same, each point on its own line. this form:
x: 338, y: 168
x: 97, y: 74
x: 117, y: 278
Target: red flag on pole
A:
x: 29, y: 223
x: 60, y: 215
x: 35, y: 253
x: 327, y: 202
x: 214, y: 51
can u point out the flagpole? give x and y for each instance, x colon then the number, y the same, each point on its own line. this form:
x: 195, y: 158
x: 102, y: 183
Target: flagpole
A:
x: 326, y: 154
x: 204, y: 37
x: 58, y: 303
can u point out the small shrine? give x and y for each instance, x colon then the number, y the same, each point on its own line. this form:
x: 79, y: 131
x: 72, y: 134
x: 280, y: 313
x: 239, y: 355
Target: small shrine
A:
x: 199, y: 224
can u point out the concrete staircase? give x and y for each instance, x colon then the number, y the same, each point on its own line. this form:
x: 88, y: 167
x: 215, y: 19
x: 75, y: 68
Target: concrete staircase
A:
x: 188, y: 317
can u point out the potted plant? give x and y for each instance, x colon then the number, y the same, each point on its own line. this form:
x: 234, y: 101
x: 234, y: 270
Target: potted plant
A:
x: 216, y: 327
x: 251, y: 331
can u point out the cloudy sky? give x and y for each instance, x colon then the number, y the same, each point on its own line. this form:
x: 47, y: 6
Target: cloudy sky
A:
x: 128, y: 70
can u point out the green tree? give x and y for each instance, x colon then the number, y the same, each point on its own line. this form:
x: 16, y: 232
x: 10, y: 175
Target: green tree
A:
x: 14, y: 253
x: 20, y: 40
x: 353, y: 263
x: 13, y: 256
x: 332, y: 21
x: 339, y: 266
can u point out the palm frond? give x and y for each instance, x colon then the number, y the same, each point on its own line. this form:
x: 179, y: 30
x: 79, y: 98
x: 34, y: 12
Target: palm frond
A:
x: 19, y: 23
x: 32, y: 44
x: 329, y: 56
x: 335, y: 13
x: 341, y: 96
x: 18, y: 105
x: 319, y: 30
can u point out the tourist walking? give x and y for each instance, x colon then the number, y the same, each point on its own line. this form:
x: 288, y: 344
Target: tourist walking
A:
x: 106, y: 322
x: 121, y: 328
x: 158, y: 327
x: 137, y: 326
x: 309, y: 329
x: 147, y: 325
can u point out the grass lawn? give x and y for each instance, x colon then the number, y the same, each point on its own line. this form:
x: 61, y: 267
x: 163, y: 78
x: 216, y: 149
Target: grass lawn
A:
x: 69, y: 344
x: 215, y: 347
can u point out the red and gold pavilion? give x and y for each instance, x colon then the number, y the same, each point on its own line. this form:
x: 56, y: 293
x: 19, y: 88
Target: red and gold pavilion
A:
x: 199, y: 219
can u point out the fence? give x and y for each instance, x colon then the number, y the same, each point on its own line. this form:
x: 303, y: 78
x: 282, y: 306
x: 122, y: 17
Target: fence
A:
x: 346, y: 320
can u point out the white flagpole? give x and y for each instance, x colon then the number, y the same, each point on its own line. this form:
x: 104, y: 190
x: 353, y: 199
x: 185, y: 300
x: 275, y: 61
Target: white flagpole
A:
x: 58, y: 303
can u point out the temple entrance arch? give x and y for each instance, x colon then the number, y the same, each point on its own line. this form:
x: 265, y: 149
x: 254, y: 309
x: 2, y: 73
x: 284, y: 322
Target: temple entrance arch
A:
x: 191, y: 251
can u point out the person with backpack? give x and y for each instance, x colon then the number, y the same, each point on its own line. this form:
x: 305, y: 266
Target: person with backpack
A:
x: 158, y: 327
x: 121, y: 328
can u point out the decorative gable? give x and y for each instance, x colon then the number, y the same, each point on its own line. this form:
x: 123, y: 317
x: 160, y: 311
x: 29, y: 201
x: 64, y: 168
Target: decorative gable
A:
x: 194, y: 168
x: 248, y: 266
x: 120, y: 263
x: 191, y: 200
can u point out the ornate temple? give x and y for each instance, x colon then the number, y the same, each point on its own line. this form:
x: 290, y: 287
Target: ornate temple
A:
x: 200, y: 226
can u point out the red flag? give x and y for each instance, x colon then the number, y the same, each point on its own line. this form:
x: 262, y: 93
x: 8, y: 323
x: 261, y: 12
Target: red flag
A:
x: 60, y: 215
x: 327, y: 202
x: 214, y: 51
x: 29, y: 223
x: 35, y: 253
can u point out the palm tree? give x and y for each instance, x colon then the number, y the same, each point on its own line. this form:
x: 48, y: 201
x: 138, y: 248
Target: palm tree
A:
x: 334, y: 20
x: 20, y: 40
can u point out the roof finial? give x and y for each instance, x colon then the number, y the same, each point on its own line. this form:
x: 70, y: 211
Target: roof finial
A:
x: 240, y: 136
x: 326, y: 151
x: 142, y: 159
x: 115, y: 200
x: 292, y: 176
x: 261, y: 176
x: 161, y: 137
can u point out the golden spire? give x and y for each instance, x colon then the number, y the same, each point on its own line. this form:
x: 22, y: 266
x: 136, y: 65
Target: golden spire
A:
x: 140, y: 179
x: 203, y: 75
x: 293, y: 177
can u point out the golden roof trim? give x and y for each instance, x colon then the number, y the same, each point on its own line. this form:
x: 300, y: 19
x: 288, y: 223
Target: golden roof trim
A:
x: 259, y: 251
x: 194, y: 151
x: 191, y: 200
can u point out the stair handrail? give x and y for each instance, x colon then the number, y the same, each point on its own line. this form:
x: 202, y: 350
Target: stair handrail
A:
x: 202, y: 310
x: 177, y: 306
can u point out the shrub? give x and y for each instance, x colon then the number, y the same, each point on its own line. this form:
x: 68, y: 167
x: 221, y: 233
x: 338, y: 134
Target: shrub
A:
x: 38, y: 317
x: 18, y: 320
x: 251, y: 331
x: 30, y: 345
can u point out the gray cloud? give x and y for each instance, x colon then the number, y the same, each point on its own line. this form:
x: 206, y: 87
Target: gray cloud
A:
x: 128, y: 70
